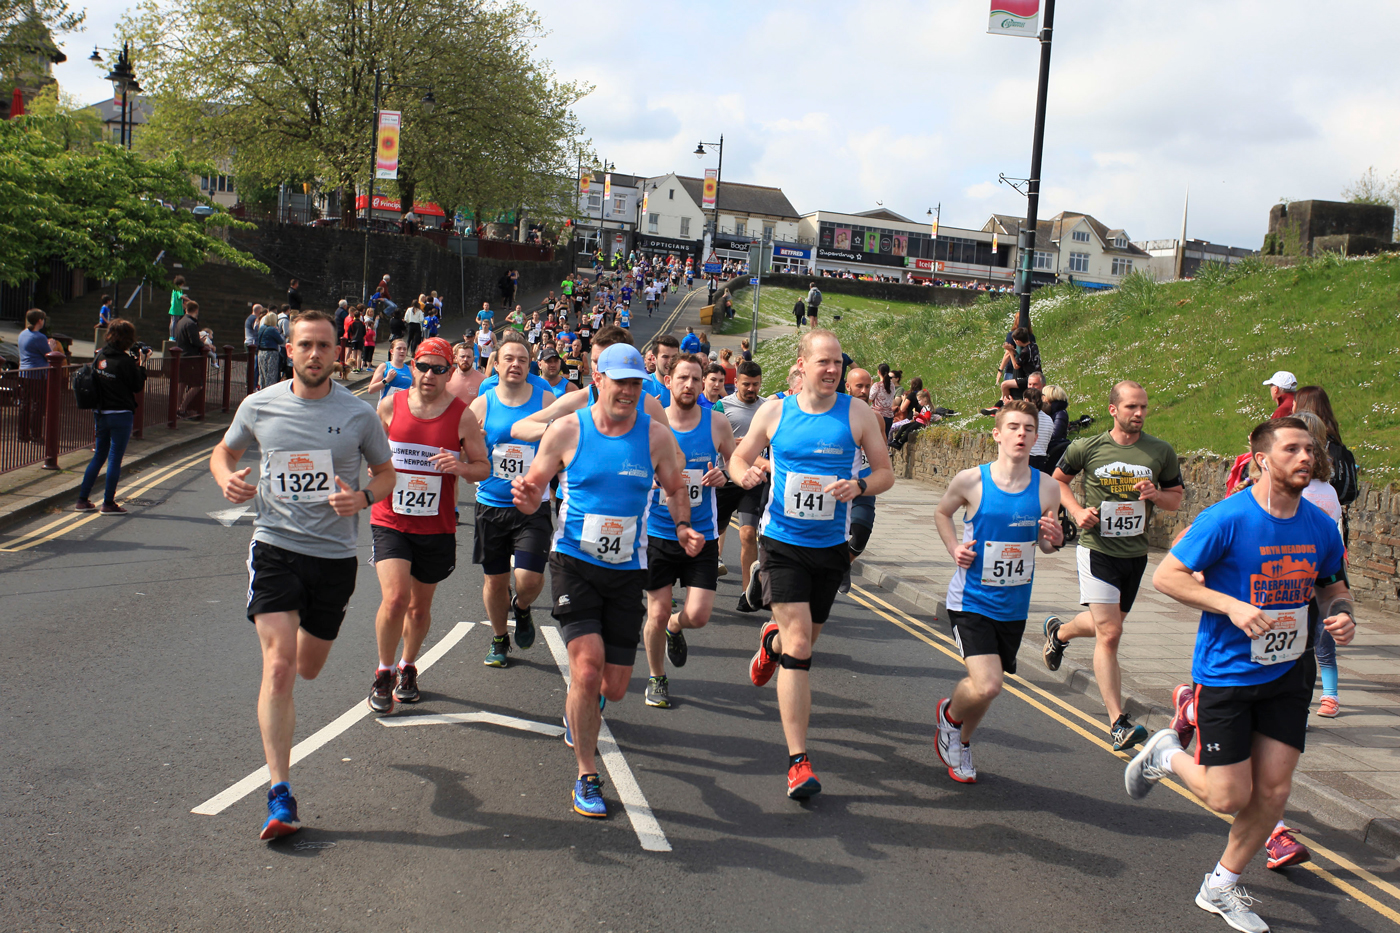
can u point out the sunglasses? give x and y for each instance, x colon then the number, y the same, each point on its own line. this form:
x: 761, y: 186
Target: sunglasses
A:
x: 430, y: 368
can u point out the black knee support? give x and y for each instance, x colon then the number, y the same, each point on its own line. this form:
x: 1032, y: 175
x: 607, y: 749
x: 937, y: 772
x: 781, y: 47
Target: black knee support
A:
x: 860, y: 536
x: 794, y: 664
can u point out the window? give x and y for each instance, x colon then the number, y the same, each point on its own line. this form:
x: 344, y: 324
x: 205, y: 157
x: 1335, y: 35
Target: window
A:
x: 1120, y: 242
x: 1122, y: 266
x: 671, y: 194
x: 768, y: 233
x: 1044, y: 260
x: 685, y: 226
x: 619, y: 204
x: 215, y: 183
x: 652, y: 221
x: 741, y: 228
x: 1081, y: 236
x: 1079, y: 262
x: 594, y: 201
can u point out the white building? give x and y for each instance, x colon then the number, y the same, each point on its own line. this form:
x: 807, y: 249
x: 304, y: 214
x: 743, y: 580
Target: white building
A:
x: 1075, y: 247
x: 1165, y: 254
x: 746, y: 213
x: 614, y: 207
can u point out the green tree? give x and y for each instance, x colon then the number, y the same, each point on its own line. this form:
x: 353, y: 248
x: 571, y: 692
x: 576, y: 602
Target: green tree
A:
x: 27, y: 28
x: 1371, y: 188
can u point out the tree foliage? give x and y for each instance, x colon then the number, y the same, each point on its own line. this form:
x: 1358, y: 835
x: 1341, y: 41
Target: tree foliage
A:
x: 27, y: 28
x: 1371, y: 188
x: 97, y: 207
x: 284, y: 90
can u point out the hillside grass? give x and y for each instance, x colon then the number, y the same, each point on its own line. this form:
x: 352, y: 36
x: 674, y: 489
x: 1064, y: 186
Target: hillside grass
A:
x: 1201, y: 348
x: 775, y: 308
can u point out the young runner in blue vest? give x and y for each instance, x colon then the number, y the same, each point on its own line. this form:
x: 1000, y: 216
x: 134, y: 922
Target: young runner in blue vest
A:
x: 814, y: 435
x: 503, y: 531
x: 608, y: 454
x: 1009, y: 511
x: 705, y: 441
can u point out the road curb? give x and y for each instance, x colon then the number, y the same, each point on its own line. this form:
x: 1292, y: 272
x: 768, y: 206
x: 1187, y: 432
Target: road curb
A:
x: 1325, y: 805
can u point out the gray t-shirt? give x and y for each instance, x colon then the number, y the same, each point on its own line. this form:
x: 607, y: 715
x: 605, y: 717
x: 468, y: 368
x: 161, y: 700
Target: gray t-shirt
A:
x: 740, y: 415
x: 305, y: 444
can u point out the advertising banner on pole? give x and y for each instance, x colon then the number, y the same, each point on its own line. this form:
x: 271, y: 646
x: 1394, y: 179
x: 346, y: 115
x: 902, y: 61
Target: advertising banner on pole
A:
x: 933, y: 228
x: 583, y: 181
x: 994, y: 241
x: 711, y: 188
x: 646, y: 196
x: 386, y: 159
x: 1015, y: 18
x: 607, y: 185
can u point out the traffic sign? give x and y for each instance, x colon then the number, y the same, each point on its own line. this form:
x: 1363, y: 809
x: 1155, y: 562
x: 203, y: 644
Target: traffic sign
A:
x: 713, y: 268
x: 753, y: 281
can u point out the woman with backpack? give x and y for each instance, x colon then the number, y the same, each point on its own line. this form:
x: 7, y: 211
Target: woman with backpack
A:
x: 117, y: 377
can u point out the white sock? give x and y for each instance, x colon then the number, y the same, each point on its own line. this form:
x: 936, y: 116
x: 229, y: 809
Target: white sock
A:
x: 1281, y: 825
x: 383, y: 667
x: 403, y: 663
x: 1167, y: 764
x: 1222, y: 877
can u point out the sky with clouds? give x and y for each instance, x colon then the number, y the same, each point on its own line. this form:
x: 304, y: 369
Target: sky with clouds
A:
x: 846, y: 105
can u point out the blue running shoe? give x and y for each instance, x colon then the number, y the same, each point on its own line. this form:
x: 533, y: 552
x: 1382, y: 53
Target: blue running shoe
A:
x: 588, y: 797
x: 281, y: 813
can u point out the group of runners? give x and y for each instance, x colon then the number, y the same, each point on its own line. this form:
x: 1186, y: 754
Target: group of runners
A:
x: 648, y: 479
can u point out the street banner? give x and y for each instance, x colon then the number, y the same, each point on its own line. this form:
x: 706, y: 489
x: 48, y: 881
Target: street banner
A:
x: 646, y: 196
x: 386, y: 159
x: 583, y: 181
x: 711, y: 188
x: 994, y: 243
x: 607, y: 185
x: 933, y: 227
x: 1015, y: 18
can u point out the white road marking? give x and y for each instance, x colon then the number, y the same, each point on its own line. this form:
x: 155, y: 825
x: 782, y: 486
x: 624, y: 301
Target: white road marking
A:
x: 495, y: 719
x: 227, y: 517
x: 644, y: 824
x: 222, y: 800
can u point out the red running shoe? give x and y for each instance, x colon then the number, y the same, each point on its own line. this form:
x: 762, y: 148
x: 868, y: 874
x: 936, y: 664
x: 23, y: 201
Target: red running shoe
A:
x: 802, y: 783
x: 763, y: 665
x: 1284, y: 850
x: 1184, y: 721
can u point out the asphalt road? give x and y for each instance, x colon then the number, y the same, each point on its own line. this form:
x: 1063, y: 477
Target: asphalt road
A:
x: 130, y: 702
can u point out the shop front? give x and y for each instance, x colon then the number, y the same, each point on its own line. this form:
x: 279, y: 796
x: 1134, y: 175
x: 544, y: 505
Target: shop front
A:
x: 792, y: 258
x: 736, y: 248
x: 663, y: 246
x: 922, y: 270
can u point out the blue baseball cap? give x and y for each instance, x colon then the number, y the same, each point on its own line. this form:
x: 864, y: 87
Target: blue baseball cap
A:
x: 622, y: 361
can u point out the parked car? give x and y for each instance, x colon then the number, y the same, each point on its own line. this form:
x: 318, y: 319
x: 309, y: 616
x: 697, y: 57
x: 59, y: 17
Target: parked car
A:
x: 203, y: 210
x: 326, y: 222
x: 9, y: 356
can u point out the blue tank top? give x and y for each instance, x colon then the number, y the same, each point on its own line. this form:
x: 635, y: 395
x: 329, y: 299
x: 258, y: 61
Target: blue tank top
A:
x: 560, y: 389
x: 698, y: 448
x: 809, y: 452
x: 509, y: 457
x: 606, y: 494
x: 396, y: 379
x: 1006, y: 527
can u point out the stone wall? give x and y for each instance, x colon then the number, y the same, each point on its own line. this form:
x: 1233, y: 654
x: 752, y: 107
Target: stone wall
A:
x: 1294, y: 227
x: 935, y: 454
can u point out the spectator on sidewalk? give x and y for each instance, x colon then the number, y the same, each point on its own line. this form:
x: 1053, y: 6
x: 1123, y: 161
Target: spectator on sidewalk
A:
x: 731, y: 372
x: 117, y: 376
x: 271, y: 350
x: 1320, y: 493
x: 33, y: 373
x: 251, y: 323
x: 1283, y: 386
x: 726, y: 304
x: 814, y: 302
x: 704, y: 336
x: 413, y: 318
x: 381, y: 293
x: 690, y: 343
x: 799, y: 313
x: 1045, y: 427
x: 1019, y: 358
x: 177, y: 302
x: 104, y: 313
x: 294, y: 296
x: 192, y: 364
x: 744, y: 350
x: 1344, y: 479
x: 882, y: 396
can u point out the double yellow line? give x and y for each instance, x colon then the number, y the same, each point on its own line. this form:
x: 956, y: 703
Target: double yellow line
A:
x: 1095, y: 730
x: 74, y: 520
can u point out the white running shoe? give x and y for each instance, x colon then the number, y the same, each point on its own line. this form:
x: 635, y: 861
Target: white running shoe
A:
x: 1150, y: 765
x: 1232, y: 903
x: 948, y: 742
x: 964, y: 772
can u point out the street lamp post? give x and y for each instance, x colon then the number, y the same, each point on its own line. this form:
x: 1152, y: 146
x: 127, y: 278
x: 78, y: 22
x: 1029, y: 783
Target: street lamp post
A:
x: 1026, y: 241
x: 123, y: 78
x: 719, y: 174
x: 428, y: 103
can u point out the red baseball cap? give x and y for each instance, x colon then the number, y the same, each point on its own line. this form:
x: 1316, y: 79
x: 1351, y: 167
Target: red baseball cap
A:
x: 434, y: 346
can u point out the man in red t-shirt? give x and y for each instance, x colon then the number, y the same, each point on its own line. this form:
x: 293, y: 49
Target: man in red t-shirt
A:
x: 435, y: 439
x: 1283, y: 385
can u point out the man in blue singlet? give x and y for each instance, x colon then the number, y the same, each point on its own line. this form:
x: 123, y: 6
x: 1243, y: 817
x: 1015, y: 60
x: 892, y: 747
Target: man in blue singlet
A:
x: 552, y: 372
x: 502, y: 531
x: 858, y: 383
x: 667, y: 349
x: 813, y: 435
x: 705, y: 441
x: 1010, y: 510
x: 609, y: 453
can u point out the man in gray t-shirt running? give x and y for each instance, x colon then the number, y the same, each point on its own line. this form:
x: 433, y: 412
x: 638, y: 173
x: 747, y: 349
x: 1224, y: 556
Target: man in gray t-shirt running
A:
x: 313, y: 438
x: 739, y: 408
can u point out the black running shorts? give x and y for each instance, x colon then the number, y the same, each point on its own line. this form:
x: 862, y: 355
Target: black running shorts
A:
x: 976, y: 634
x: 504, y: 532
x: 812, y: 575
x: 667, y: 562
x: 1107, y: 580
x: 592, y: 600
x: 748, y: 504
x: 1228, y: 717
x: 317, y: 588
x: 431, y: 558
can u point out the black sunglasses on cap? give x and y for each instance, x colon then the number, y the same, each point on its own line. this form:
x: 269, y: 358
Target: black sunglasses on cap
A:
x: 429, y: 367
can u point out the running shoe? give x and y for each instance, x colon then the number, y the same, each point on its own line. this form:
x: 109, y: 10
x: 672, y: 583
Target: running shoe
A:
x: 963, y: 772
x: 949, y: 737
x: 744, y: 604
x: 1184, y: 719
x: 754, y: 591
x: 722, y: 570
x: 845, y: 586
x: 407, y: 690
x: 1232, y: 903
x: 524, y: 627
x: 381, y: 695
x: 500, y: 647
x: 1329, y: 707
x: 1054, y: 650
x: 658, y: 692
x: 989, y: 412
x: 1284, y: 849
x: 84, y: 505
x: 802, y: 783
x: 588, y: 797
x: 764, y: 663
x: 677, y: 651
x: 1126, y: 735
x: 281, y: 813
x: 1150, y: 765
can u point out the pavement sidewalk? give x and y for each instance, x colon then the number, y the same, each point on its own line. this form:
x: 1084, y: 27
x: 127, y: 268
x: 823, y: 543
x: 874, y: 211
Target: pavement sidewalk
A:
x: 1348, y: 779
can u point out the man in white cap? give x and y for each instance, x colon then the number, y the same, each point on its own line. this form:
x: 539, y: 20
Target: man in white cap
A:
x: 1283, y: 385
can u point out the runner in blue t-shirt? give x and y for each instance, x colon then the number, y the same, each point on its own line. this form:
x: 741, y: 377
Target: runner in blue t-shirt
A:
x: 1265, y: 554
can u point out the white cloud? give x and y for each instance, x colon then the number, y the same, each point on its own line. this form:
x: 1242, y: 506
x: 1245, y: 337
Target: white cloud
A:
x: 912, y: 103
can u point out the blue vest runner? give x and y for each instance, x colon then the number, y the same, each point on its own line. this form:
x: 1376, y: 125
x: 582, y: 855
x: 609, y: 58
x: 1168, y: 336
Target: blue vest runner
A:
x: 1006, y: 528
x: 396, y: 380
x: 809, y: 452
x: 698, y: 448
x: 509, y: 457
x: 606, y: 494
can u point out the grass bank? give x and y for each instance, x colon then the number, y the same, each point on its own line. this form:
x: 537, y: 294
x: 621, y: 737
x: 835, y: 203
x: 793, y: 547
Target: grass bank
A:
x: 1201, y: 348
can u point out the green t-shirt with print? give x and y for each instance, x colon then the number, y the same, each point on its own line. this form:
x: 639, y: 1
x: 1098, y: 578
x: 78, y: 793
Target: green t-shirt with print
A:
x: 1111, y: 470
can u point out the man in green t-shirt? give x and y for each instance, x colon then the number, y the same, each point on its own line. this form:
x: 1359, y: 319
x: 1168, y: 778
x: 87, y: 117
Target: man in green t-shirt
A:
x: 1127, y: 474
x: 567, y: 286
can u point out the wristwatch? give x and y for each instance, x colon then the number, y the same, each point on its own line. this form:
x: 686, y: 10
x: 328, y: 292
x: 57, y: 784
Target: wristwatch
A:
x: 862, y: 484
x: 685, y: 523
x: 369, y: 497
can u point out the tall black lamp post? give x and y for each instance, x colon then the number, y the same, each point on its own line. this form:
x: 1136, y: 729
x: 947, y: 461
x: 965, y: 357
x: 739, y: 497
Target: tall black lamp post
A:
x: 428, y: 102
x: 719, y: 173
x: 124, y: 84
